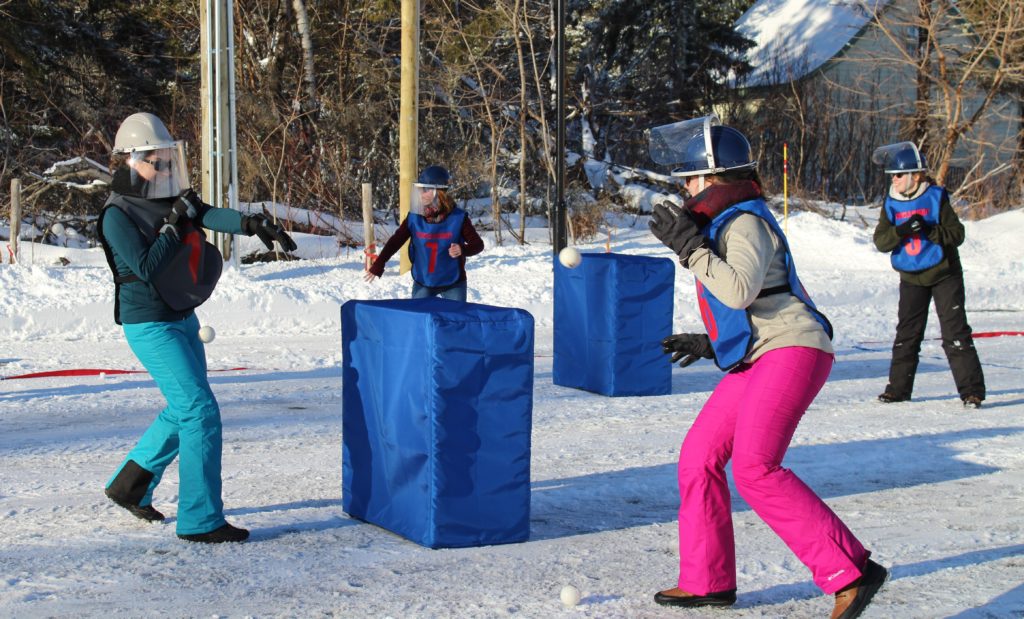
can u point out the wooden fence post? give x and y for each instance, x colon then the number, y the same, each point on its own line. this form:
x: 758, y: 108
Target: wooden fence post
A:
x: 370, y: 249
x: 15, y: 218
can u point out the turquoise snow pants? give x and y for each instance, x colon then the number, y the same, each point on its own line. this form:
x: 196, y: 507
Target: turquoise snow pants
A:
x: 189, y: 428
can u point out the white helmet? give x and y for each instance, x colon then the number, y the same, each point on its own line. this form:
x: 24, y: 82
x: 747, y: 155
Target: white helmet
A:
x: 142, y: 131
x: 156, y: 160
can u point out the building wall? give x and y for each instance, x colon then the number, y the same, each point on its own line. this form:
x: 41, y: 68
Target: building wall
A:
x: 862, y: 98
x: 877, y: 71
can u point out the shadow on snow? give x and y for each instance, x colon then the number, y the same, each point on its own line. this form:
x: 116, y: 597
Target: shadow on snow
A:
x: 647, y: 495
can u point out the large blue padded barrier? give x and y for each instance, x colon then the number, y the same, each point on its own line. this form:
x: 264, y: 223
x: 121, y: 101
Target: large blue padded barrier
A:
x: 611, y: 313
x: 437, y: 406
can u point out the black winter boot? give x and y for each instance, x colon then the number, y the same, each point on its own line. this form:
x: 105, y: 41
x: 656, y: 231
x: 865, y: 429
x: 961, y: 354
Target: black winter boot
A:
x: 887, y: 397
x: 226, y: 533
x: 129, y: 487
x: 678, y: 597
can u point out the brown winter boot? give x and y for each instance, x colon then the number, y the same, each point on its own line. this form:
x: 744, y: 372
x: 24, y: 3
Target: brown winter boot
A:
x: 852, y: 599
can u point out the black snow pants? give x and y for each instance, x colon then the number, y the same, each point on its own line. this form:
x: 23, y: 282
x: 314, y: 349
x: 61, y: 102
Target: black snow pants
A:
x: 956, y: 337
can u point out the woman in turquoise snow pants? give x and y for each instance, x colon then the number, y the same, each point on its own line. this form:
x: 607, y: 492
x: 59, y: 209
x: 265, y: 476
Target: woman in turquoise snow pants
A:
x: 189, y: 428
x: 151, y: 230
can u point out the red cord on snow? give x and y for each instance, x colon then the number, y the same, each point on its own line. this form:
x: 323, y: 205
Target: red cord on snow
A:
x: 92, y: 372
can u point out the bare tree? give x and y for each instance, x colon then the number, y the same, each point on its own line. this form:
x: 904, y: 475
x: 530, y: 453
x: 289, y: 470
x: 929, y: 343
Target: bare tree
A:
x: 309, y: 70
x: 960, y: 70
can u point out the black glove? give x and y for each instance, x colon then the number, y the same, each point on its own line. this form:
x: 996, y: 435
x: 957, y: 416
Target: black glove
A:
x: 187, y: 204
x: 915, y: 224
x: 185, y: 208
x: 693, y: 346
x: 268, y: 231
x: 677, y: 231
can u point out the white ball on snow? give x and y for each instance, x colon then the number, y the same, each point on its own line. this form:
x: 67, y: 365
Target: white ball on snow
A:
x: 206, y: 334
x: 570, y: 596
x: 570, y: 257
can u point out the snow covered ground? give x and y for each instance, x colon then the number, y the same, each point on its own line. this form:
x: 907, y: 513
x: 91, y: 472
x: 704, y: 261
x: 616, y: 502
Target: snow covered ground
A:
x: 933, y: 489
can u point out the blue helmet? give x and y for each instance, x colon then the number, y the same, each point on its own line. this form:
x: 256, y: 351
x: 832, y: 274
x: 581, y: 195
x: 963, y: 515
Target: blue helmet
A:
x: 700, y: 146
x: 899, y: 157
x: 434, y: 176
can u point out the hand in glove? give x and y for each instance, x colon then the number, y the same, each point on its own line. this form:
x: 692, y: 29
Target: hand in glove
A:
x: 268, y: 232
x: 915, y: 224
x: 187, y: 204
x: 185, y: 208
x: 692, y: 346
x: 677, y: 231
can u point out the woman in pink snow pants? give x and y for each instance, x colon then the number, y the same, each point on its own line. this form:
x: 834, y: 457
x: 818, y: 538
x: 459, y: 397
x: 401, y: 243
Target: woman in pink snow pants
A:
x: 764, y: 330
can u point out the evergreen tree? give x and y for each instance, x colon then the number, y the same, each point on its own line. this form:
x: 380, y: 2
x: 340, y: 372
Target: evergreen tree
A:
x: 647, y: 63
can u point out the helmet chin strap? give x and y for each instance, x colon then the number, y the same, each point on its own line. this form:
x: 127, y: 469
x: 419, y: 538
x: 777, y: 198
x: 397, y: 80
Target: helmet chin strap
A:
x: 700, y: 183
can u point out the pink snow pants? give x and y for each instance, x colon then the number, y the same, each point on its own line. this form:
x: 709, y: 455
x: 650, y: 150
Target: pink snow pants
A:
x: 751, y: 417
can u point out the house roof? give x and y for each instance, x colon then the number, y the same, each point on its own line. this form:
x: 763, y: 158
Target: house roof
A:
x: 795, y: 37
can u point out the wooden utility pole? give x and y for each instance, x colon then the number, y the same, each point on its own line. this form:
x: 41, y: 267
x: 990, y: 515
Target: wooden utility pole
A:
x: 408, y: 136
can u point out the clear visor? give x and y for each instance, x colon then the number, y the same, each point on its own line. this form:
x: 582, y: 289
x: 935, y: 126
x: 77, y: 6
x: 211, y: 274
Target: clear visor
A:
x: 901, y: 152
x: 668, y: 143
x: 425, y: 199
x: 159, y: 172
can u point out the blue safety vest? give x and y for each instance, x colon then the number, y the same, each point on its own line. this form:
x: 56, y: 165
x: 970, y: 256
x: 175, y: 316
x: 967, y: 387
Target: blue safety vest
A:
x: 428, y: 249
x: 729, y: 328
x: 916, y: 252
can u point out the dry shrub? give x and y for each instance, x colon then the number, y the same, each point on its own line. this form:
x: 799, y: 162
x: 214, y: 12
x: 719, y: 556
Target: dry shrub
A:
x: 585, y: 220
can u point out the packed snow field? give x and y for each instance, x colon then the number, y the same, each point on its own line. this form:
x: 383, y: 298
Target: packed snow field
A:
x: 934, y: 490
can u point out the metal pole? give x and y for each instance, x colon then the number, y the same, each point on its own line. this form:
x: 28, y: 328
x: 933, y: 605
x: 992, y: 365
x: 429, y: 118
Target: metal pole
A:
x: 233, y: 136
x: 206, y: 89
x: 560, y: 208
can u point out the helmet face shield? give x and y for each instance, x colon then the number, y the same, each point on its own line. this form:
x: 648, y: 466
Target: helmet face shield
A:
x: 687, y: 142
x: 899, y: 157
x: 699, y: 147
x: 425, y: 199
x: 159, y: 171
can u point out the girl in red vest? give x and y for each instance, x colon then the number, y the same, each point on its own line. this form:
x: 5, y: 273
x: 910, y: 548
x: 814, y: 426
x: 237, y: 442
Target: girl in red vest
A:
x: 441, y: 237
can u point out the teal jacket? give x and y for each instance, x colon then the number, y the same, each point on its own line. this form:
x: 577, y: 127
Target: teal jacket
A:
x: 134, y: 254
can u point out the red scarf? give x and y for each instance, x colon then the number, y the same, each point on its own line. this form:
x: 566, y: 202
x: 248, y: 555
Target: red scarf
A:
x: 710, y: 203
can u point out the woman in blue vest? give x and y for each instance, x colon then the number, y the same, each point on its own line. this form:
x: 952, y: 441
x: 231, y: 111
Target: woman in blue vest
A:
x: 762, y: 329
x: 920, y: 228
x: 151, y: 232
x: 441, y: 237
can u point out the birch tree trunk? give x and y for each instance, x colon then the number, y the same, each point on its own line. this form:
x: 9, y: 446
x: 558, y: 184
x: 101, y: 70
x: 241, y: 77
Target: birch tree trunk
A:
x: 309, y: 70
